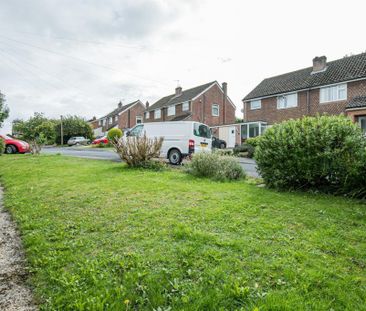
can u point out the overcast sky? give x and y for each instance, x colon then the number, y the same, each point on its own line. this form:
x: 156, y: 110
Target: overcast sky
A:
x: 83, y: 57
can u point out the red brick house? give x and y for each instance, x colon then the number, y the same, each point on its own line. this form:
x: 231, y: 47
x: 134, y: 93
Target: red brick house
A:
x: 207, y: 103
x: 123, y: 117
x: 336, y: 87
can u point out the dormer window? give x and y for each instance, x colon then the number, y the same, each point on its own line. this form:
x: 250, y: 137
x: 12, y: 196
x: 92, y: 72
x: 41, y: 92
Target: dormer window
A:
x: 185, y: 106
x: 157, y: 114
x: 171, y: 110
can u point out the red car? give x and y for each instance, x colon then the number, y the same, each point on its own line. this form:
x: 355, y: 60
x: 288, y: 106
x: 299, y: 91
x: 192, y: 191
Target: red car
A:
x: 13, y: 145
x: 101, y: 140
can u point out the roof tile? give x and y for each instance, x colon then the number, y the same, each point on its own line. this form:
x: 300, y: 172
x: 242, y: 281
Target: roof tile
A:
x: 186, y: 95
x: 357, y: 102
x: 341, y: 70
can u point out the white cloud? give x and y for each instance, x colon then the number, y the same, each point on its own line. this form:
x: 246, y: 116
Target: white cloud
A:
x: 82, y: 57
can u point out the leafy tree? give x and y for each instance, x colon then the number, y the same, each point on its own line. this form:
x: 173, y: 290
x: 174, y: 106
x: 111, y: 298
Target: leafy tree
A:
x: 4, y: 110
x: 73, y: 126
x: 37, y: 131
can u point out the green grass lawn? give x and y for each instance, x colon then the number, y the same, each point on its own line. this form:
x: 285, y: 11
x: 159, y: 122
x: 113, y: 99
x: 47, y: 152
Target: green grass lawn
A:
x: 100, y: 236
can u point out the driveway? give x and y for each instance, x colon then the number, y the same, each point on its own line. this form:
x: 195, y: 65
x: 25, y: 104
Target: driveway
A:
x: 248, y: 165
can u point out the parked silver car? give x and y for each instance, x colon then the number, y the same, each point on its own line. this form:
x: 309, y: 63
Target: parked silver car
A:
x: 79, y: 140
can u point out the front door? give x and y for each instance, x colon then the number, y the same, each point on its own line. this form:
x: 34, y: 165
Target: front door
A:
x: 362, y: 122
x: 231, y: 137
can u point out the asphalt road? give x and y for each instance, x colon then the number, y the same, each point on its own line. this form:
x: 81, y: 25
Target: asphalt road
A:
x: 102, y: 154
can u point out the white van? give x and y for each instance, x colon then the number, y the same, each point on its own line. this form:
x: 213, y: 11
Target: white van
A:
x: 181, y: 138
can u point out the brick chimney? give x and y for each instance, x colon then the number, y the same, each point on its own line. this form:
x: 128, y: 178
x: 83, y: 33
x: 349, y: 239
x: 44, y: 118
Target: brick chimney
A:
x: 178, y: 91
x: 319, y: 64
x: 224, y: 88
x: 147, y: 105
x: 120, y: 104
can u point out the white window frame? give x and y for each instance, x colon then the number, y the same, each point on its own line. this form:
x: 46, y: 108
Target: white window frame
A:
x: 157, y: 114
x: 331, y: 93
x: 185, y: 106
x: 286, y: 97
x: 359, y: 121
x: 139, y: 118
x: 218, y: 110
x: 110, y: 121
x: 147, y: 115
x: 171, y: 111
x: 258, y: 105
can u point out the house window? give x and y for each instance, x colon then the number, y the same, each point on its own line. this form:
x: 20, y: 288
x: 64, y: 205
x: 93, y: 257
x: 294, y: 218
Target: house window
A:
x: 157, y: 114
x: 115, y: 118
x: 147, y: 114
x: 171, y: 110
x: 110, y: 120
x: 252, y: 129
x: 185, y: 106
x: 255, y: 104
x: 333, y: 93
x: 100, y: 122
x: 362, y: 122
x: 138, y: 119
x: 287, y: 101
x: 215, y: 110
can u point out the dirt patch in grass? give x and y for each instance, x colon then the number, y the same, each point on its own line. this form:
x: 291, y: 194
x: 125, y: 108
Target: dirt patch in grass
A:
x: 14, y: 294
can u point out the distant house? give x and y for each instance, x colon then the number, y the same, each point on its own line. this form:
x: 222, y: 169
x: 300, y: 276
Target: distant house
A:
x: 207, y: 103
x: 336, y: 87
x: 123, y: 117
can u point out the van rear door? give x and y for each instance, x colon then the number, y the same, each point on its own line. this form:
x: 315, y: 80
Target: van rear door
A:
x: 202, y: 137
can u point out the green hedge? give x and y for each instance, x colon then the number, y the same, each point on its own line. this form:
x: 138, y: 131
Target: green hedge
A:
x: 244, y: 149
x: 215, y: 166
x: 325, y: 153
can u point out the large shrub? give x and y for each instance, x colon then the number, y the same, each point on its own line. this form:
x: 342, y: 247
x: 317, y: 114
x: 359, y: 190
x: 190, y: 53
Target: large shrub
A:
x: 138, y: 151
x: 324, y: 153
x: 253, y: 141
x: 214, y: 166
x: 2, y: 146
x: 244, y: 150
x: 114, y: 134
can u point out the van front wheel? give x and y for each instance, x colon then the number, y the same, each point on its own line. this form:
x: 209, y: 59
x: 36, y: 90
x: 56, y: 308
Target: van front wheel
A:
x: 175, y: 157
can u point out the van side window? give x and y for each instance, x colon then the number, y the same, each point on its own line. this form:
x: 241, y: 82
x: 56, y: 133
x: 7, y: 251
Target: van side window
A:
x: 201, y: 130
x: 136, y: 131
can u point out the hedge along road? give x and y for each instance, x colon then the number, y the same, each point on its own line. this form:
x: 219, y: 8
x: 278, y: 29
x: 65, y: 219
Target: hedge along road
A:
x: 248, y: 165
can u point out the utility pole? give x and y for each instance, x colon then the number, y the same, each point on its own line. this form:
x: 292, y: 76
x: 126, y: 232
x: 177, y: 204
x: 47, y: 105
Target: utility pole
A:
x: 62, y: 133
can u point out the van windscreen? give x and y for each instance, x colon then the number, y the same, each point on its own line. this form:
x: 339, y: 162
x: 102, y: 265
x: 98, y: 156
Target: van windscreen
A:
x: 201, y: 130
